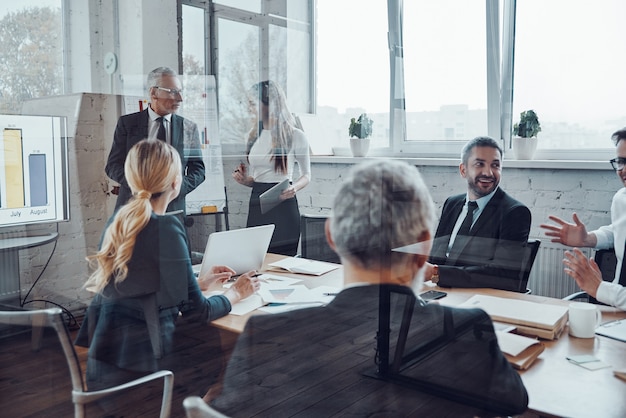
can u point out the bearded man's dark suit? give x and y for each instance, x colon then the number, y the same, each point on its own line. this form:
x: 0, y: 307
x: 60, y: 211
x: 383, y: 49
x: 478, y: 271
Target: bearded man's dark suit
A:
x: 493, y: 254
x: 132, y: 128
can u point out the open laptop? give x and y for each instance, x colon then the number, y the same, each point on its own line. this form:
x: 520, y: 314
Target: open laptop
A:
x: 240, y: 249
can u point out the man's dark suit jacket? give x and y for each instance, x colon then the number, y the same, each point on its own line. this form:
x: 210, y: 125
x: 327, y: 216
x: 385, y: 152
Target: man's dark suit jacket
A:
x: 493, y: 254
x: 131, y: 129
x: 310, y: 362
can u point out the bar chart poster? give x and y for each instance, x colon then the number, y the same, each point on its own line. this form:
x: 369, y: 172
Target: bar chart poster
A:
x: 33, y: 169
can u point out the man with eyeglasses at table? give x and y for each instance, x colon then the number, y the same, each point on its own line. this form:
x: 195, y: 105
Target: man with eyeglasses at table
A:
x: 585, y: 271
x: 158, y: 122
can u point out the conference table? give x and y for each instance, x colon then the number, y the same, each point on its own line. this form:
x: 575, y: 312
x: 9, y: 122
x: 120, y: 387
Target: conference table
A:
x: 556, y: 387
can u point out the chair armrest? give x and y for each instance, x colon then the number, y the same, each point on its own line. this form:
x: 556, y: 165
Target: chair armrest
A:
x: 166, y: 402
x: 577, y: 295
x: 195, y: 407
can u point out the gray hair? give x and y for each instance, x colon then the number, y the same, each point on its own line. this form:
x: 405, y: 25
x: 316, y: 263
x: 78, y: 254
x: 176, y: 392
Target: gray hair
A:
x: 381, y: 205
x: 154, y: 77
x: 479, y: 141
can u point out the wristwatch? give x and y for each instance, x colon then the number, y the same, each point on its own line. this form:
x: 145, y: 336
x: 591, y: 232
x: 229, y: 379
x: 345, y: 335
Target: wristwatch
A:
x: 435, y: 277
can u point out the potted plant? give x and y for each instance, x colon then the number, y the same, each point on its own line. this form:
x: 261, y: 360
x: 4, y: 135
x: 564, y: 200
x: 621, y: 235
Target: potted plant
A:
x: 525, y: 133
x: 360, y: 130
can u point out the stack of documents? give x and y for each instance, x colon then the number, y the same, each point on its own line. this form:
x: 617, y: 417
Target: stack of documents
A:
x: 530, y: 318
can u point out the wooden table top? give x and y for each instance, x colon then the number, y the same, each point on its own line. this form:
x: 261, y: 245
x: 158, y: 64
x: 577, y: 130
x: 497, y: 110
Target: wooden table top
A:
x: 555, y: 386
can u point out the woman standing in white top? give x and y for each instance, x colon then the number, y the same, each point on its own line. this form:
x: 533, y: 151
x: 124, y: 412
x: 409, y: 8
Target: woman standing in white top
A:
x: 274, y: 146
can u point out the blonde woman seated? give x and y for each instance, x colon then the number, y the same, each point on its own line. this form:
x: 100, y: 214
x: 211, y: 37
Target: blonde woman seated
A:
x: 145, y: 251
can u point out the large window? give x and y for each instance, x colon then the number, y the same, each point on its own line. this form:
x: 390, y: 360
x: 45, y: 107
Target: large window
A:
x: 255, y: 40
x: 459, y: 69
x: 569, y: 68
x: 445, y: 70
x: 31, y: 52
x: 352, y: 67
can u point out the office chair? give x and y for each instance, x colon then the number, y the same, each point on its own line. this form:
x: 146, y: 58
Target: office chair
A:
x: 14, y: 323
x: 313, y: 242
x: 195, y: 407
x: 607, y: 261
x: 532, y: 248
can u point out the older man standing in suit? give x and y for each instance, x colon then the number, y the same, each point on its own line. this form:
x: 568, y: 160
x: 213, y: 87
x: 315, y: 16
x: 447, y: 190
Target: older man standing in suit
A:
x: 158, y: 122
x: 482, y: 234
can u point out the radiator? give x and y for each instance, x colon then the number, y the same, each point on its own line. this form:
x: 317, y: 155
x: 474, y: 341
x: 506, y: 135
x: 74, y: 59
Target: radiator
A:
x: 547, y: 277
x: 9, y: 275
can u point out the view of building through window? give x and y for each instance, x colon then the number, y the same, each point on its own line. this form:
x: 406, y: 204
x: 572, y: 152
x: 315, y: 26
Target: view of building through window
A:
x: 572, y: 78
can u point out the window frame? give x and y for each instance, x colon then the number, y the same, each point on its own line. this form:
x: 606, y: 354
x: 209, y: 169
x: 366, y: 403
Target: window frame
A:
x: 500, y: 55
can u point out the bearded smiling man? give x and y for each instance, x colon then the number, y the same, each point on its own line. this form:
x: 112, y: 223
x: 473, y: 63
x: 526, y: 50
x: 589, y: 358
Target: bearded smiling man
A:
x: 482, y: 234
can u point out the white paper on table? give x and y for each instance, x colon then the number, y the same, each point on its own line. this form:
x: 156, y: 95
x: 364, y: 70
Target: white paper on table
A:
x: 242, y: 307
x: 272, y: 280
x: 247, y: 305
x: 290, y: 294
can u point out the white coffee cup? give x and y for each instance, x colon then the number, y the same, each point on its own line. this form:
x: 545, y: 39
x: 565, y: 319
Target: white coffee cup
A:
x: 584, y: 318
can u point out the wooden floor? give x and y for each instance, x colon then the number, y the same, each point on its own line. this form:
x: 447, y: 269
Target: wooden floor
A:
x: 37, y: 384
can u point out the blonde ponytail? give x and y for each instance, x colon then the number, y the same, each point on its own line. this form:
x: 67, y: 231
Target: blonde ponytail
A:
x: 150, y: 168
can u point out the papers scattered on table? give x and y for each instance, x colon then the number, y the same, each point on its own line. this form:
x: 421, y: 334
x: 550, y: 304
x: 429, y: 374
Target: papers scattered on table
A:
x: 302, y: 266
x: 297, y: 294
x: 530, y: 318
x: 280, y: 294
x: 520, y: 351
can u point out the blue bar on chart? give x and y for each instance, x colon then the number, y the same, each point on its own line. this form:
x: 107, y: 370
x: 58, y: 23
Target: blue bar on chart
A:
x: 37, y: 179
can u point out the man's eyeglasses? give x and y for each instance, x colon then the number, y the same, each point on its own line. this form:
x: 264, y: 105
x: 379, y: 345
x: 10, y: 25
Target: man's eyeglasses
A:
x: 618, y: 163
x: 172, y: 92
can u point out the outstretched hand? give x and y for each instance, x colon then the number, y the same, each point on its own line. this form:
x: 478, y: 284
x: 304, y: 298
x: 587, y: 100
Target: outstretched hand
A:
x: 584, y: 270
x: 572, y: 234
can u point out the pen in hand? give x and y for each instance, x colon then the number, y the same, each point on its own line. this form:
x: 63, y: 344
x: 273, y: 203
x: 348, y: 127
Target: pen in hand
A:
x: 236, y: 276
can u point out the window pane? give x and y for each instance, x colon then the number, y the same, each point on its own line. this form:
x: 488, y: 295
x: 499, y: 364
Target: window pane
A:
x: 194, y: 49
x: 572, y: 76
x: 238, y: 44
x: 353, y: 67
x: 31, y: 51
x: 289, y: 65
x: 445, y: 69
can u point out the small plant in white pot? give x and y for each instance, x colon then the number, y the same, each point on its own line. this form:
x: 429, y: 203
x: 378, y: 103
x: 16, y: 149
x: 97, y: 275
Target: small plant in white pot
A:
x: 360, y: 131
x: 525, y: 133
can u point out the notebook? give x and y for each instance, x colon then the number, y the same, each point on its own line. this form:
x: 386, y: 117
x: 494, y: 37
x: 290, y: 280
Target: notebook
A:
x: 271, y: 198
x: 240, y: 249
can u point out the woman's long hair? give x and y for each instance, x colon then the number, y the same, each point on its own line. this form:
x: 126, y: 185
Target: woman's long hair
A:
x: 150, y: 169
x: 272, y: 95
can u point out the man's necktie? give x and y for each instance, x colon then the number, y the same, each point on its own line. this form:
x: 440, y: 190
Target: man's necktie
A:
x: 161, y: 132
x: 466, y: 226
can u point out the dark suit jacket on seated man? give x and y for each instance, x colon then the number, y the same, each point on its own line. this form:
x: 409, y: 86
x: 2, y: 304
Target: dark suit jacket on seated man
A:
x: 492, y: 252
x: 311, y: 361
x: 165, y: 97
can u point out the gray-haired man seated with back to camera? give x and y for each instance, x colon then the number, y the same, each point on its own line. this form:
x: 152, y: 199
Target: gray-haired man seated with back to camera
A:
x: 311, y: 361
